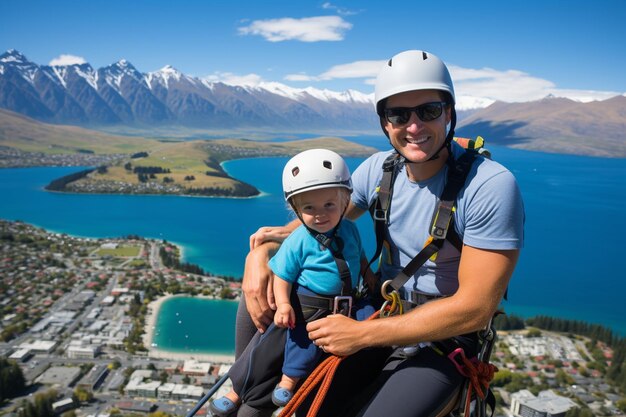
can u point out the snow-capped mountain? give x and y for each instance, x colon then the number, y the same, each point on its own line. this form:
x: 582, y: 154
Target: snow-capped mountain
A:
x: 119, y: 94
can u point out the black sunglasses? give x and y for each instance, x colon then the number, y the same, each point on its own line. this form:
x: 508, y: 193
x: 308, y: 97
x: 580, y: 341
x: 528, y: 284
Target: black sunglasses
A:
x: 426, y: 112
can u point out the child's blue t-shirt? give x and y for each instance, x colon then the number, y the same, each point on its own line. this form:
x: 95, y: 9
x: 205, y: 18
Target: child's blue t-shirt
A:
x: 302, y: 259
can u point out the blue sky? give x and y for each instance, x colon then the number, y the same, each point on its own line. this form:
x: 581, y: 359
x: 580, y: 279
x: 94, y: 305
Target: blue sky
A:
x: 506, y: 50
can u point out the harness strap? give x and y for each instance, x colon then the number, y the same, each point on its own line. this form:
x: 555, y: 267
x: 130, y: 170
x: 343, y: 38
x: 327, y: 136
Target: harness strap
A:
x: 337, y: 253
x: 379, y: 209
x: 431, y: 247
x: 443, y: 219
x: 319, y: 302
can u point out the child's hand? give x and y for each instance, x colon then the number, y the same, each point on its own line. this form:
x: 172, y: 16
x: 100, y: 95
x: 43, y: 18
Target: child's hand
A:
x: 285, y: 316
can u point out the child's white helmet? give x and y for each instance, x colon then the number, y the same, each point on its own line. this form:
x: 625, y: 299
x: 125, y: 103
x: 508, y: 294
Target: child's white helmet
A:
x: 315, y: 169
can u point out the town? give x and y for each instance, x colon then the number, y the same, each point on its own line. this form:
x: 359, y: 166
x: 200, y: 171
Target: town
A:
x: 73, y: 320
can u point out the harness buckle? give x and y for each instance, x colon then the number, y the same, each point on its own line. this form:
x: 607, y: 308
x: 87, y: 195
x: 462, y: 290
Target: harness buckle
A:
x: 418, y: 298
x: 380, y: 215
x: 343, y: 305
x: 441, y: 220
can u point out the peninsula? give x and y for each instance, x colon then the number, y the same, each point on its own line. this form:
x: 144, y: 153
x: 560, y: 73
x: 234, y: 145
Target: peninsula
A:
x: 135, y: 164
x: 190, y: 168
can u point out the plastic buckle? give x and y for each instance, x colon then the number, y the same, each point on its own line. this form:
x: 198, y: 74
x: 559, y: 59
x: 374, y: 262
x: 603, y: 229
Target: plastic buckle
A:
x: 343, y: 305
x: 441, y: 223
x: 380, y: 215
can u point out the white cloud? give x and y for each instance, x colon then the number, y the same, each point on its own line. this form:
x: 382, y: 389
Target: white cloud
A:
x: 65, y: 60
x: 308, y: 29
x: 301, y: 77
x: 514, y: 86
x: 339, y: 10
x: 234, y: 79
x: 473, y: 87
x: 357, y: 69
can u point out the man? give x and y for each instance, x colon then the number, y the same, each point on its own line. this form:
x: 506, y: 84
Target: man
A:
x: 415, y: 101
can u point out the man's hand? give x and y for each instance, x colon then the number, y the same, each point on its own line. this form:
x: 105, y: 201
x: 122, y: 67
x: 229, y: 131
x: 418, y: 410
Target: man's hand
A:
x: 269, y: 234
x: 257, y: 287
x: 337, y: 334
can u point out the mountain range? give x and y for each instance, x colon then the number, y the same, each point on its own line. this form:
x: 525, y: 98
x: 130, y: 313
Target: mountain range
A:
x: 121, y: 96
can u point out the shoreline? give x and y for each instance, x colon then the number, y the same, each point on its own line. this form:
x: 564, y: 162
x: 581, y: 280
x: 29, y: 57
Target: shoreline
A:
x: 156, y: 353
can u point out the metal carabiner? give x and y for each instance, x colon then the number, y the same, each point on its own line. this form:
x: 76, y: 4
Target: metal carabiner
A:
x: 383, y: 290
x: 392, y: 305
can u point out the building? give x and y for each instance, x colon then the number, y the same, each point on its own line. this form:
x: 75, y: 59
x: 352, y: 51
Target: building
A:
x: 83, y: 352
x: 108, y: 300
x: 165, y: 390
x: 147, y: 389
x: 184, y: 392
x: 546, y: 404
x: 63, y: 376
x: 223, y: 369
x: 39, y: 346
x: 21, y: 355
x: 63, y: 405
x: 95, y: 377
x: 195, y: 368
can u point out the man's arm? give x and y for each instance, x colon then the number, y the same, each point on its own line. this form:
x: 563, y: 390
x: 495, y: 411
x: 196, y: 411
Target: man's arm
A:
x: 483, y: 279
x: 353, y: 212
x: 258, y: 277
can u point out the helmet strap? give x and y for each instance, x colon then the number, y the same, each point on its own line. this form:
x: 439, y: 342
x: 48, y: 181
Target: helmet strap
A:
x: 324, y: 239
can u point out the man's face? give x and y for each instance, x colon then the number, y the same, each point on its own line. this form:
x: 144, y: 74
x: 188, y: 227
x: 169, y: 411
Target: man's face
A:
x: 416, y: 139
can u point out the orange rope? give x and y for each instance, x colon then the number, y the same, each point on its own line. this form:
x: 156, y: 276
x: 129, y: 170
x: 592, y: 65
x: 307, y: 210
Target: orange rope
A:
x: 322, y: 376
x: 479, y: 374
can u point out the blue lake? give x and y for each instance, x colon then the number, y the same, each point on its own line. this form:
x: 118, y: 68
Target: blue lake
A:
x: 570, y: 266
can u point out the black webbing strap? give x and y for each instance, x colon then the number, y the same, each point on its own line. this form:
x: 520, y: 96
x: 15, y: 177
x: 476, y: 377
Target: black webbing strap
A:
x: 337, y: 252
x: 443, y: 220
x: 379, y: 209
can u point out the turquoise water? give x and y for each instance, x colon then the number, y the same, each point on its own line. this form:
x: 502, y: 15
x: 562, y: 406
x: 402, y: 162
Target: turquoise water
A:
x: 196, y: 325
x: 571, y: 266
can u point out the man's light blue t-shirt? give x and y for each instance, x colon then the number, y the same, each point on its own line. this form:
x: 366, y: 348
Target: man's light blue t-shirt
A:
x: 489, y: 215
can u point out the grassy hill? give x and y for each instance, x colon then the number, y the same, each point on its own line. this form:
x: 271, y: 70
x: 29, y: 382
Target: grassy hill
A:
x: 194, y: 167
x: 28, y: 135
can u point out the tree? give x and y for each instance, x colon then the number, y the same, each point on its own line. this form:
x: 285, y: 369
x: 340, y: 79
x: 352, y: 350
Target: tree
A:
x: 82, y: 395
x: 12, y: 380
x: 163, y: 377
x: 563, y: 379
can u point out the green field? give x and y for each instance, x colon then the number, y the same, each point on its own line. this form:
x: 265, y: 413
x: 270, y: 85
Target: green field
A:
x: 120, y: 252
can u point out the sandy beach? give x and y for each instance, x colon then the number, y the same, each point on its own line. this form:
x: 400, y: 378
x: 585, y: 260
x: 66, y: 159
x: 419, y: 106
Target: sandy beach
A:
x: 155, y: 352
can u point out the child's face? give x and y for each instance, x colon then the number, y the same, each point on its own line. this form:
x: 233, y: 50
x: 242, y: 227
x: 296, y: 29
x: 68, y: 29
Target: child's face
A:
x: 321, y: 209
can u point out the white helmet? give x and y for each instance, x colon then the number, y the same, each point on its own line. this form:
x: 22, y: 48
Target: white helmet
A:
x: 315, y: 169
x: 409, y: 71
